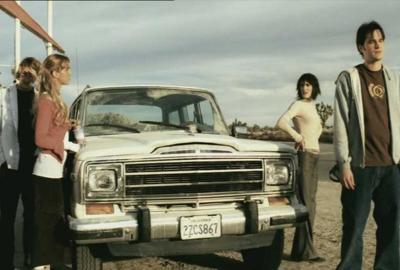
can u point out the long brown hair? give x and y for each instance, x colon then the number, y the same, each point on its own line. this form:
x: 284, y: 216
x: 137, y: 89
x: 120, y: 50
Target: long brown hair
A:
x: 47, y: 85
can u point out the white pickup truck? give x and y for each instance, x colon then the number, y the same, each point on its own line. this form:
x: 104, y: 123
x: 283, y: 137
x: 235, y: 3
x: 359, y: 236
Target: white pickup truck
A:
x: 160, y: 175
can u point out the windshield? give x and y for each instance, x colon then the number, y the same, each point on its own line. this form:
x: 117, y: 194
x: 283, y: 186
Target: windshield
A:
x: 138, y: 110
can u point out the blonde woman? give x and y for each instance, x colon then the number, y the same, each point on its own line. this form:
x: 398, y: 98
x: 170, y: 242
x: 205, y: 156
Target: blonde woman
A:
x: 306, y: 132
x: 51, y: 137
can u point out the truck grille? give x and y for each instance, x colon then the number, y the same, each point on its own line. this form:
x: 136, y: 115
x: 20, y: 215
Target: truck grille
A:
x: 193, y: 177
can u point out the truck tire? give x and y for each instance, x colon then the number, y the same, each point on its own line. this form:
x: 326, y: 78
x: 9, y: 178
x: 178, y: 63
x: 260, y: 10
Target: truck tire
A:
x: 83, y: 259
x: 265, y: 258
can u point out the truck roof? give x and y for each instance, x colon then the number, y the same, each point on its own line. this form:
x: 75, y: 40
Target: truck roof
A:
x: 121, y: 87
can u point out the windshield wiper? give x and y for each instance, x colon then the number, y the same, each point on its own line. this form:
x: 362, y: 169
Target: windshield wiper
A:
x: 165, y: 125
x: 135, y: 130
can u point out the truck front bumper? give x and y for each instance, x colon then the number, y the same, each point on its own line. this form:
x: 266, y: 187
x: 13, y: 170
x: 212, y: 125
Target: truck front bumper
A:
x: 160, y: 223
x: 159, y: 248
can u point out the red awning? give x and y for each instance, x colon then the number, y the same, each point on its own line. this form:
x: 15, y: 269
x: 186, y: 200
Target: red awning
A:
x: 16, y: 11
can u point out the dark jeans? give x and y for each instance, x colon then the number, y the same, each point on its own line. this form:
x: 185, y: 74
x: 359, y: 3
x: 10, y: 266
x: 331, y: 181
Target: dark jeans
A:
x: 303, y: 247
x: 382, y: 186
x: 14, y: 184
x: 50, y: 232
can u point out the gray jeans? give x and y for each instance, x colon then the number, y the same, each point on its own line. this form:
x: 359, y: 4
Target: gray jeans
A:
x: 303, y: 247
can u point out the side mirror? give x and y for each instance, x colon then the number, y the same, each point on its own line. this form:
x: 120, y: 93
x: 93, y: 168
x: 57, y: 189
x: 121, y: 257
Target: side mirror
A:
x: 239, y: 131
x: 334, y: 173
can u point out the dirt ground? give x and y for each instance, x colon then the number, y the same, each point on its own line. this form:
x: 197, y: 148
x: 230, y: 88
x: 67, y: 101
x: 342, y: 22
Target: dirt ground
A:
x: 327, y: 237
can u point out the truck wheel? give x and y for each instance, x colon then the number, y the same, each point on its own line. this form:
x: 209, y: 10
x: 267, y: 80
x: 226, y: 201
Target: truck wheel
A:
x: 83, y: 259
x: 265, y: 258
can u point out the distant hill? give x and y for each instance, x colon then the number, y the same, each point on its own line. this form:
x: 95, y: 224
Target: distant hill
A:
x: 274, y: 134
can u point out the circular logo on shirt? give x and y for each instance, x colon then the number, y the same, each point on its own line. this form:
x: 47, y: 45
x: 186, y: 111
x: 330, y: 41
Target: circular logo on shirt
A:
x: 376, y: 91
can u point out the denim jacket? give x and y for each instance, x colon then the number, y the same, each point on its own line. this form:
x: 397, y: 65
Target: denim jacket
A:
x: 349, y: 133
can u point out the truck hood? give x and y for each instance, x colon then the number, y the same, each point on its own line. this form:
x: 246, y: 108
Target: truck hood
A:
x: 149, y: 142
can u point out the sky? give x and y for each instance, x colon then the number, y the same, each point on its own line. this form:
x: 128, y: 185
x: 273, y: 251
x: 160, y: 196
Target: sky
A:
x: 248, y: 53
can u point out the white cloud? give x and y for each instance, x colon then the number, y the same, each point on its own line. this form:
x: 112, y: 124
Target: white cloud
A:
x: 249, y: 53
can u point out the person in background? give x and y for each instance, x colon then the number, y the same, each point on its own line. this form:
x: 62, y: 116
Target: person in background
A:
x: 367, y: 150
x: 306, y: 132
x: 17, y: 154
x: 51, y: 137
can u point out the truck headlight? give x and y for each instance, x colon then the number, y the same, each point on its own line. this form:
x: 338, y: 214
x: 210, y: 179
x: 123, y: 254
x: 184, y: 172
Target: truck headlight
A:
x: 103, y: 181
x: 277, y: 172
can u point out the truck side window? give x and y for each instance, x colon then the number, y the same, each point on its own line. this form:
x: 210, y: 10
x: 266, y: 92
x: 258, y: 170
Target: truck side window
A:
x: 173, y: 118
x: 189, y: 113
x: 75, y: 112
x: 207, y: 113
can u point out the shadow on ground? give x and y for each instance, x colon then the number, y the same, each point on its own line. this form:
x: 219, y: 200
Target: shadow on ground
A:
x: 211, y: 261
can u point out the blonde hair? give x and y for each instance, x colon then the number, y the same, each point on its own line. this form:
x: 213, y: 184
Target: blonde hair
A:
x: 47, y: 85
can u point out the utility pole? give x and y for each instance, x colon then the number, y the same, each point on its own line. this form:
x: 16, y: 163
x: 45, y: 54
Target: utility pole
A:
x: 49, y: 25
x: 17, y: 47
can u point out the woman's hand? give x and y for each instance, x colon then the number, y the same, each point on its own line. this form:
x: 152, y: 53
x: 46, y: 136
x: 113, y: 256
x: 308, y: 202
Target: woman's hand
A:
x: 74, y: 123
x: 299, y: 146
x: 79, y: 134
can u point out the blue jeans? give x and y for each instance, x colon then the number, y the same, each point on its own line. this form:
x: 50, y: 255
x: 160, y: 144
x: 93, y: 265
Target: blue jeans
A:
x: 380, y: 184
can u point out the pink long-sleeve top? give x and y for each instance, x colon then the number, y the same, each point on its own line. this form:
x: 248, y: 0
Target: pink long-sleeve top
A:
x: 49, y: 137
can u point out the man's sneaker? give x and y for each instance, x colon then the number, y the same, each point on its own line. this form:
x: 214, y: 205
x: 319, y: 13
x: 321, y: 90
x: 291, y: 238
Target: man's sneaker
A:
x: 42, y: 267
x: 316, y: 260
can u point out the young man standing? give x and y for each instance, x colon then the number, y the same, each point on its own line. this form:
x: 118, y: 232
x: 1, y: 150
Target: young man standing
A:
x: 367, y: 149
x: 17, y: 149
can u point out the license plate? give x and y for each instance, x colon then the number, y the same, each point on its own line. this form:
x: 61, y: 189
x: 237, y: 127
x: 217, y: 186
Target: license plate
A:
x: 197, y: 227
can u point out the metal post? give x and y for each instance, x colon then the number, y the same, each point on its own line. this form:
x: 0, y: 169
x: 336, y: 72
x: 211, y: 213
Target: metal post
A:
x: 17, y: 47
x: 49, y: 25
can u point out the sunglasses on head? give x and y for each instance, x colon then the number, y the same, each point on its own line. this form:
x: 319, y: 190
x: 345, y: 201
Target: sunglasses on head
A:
x: 25, y: 74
